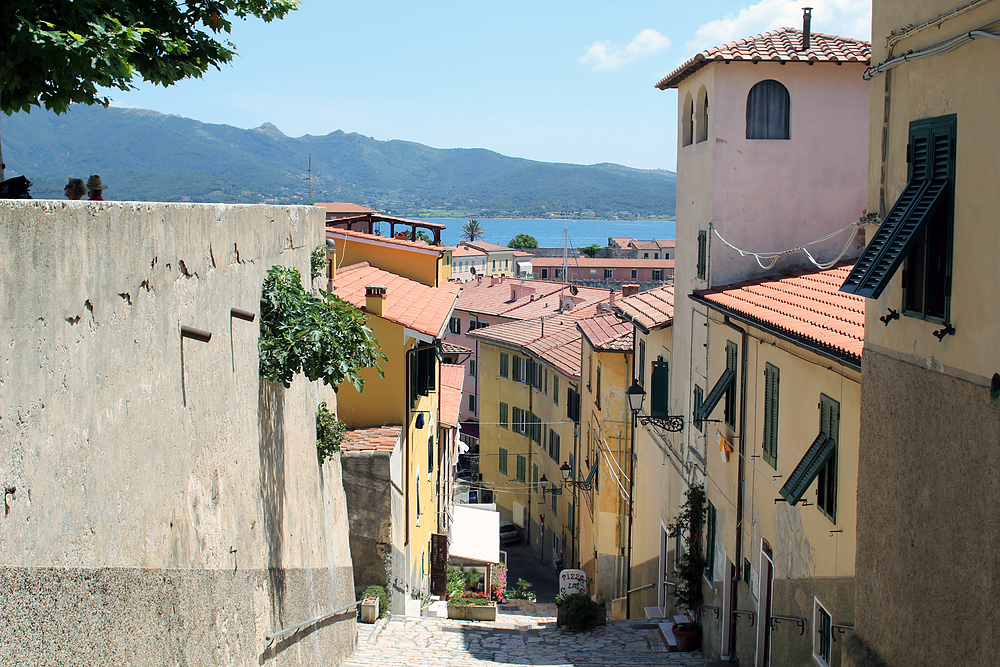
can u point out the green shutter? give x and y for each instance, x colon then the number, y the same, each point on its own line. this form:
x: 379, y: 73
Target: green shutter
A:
x: 770, y: 447
x: 710, y: 519
x: 502, y: 465
x: 698, y: 394
x: 826, y: 496
x: 534, y: 477
x: 503, y: 415
x: 732, y: 355
x: 659, y: 389
x: 718, y: 391
x: 555, y: 389
x: 640, y: 374
x: 592, y: 474
x: 808, y: 468
x: 702, y: 254
x: 521, y: 465
x: 504, y: 361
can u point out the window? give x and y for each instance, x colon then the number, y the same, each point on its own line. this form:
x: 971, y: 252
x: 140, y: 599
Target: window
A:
x: 472, y: 403
x: 506, y: 264
x: 702, y: 254
x: 687, y: 121
x: 593, y: 272
x: 698, y: 394
x: 504, y: 364
x: 430, y: 454
x: 503, y: 415
x: 917, y: 229
x: 659, y: 389
x: 656, y: 255
x: 502, y: 461
x: 516, y: 369
x: 423, y: 373
x: 710, y: 523
x: 641, y: 369
x: 558, y: 274
x: 570, y: 516
x: 555, y: 505
x: 657, y: 274
x: 536, y: 428
x: 573, y: 404
x: 645, y: 255
x: 418, y: 492
x: 522, y: 464
x: 473, y: 325
x: 820, y: 461
x: 472, y: 368
x: 555, y: 389
x: 554, y: 445
x: 609, y: 274
x: 822, y: 633
x: 494, y: 265
x: 770, y: 447
x: 545, y: 274
x: 768, y: 111
x: 597, y: 394
x: 633, y: 274
x: 534, y: 478
x: 545, y: 385
x: 731, y: 356
x: 455, y: 325
x: 701, y: 118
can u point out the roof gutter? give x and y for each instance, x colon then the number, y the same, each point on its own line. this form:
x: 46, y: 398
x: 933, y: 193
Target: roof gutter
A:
x: 844, y: 358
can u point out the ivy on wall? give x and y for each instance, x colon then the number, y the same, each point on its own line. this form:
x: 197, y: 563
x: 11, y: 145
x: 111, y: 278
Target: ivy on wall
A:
x: 330, y: 432
x: 321, y: 336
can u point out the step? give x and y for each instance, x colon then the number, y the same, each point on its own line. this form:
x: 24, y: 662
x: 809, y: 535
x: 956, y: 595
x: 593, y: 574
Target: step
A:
x: 682, y: 618
x: 437, y: 609
x: 667, y: 634
x: 654, y: 612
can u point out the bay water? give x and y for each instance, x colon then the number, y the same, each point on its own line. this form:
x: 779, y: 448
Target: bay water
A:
x: 549, y: 232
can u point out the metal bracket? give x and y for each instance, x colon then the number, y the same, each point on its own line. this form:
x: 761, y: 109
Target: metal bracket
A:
x: 840, y: 629
x: 797, y: 621
x: 893, y: 315
x: 947, y: 330
x: 749, y: 614
x: 715, y: 609
x: 671, y: 423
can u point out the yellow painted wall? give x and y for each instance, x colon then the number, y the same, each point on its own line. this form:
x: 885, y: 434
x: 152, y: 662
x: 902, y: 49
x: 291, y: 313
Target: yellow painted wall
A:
x: 421, y: 480
x: 383, y: 400
x: 411, y: 263
x: 444, y: 267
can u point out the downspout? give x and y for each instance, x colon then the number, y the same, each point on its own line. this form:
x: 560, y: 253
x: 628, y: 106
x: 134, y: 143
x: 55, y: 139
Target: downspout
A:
x: 631, y: 504
x: 741, y: 482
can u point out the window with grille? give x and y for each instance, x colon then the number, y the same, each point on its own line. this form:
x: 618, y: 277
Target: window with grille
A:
x: 822, y: 633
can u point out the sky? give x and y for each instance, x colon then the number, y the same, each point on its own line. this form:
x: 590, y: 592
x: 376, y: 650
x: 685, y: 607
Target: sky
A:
x: 549, y: 80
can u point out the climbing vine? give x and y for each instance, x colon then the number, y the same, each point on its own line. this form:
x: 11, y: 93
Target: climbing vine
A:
x: 322, y: 336
x: 690, y: 564
x: 317, y: 261
x: 330, y: 432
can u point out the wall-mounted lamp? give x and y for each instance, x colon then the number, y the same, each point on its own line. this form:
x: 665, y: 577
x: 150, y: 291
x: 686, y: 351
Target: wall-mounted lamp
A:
x: 548, y: 486
x: 636, y: 394
x: 565, y: 471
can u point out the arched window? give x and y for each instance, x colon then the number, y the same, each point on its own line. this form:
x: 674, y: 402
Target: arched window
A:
x: 768, y: 111
x: 701, y: 120
x: 687, y: 119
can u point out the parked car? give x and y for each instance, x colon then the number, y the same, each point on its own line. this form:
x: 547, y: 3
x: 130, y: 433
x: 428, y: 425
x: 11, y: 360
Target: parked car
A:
x: 508, y: 533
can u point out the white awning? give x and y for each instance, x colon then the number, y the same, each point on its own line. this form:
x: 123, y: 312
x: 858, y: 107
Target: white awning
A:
x: 524, y: 267
x: 475, y: 535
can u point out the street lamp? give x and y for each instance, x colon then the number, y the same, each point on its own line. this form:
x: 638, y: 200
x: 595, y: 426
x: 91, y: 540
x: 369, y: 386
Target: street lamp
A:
x: 548, y: 486
x: 572, y: 483
x: 671, y: 423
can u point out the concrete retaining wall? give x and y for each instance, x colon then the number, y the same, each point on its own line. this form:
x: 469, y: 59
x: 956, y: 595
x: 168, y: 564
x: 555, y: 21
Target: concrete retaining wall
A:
x: 164, y: 506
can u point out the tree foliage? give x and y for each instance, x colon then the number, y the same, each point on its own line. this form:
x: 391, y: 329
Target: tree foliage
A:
x: 591, y: 250
x: 523, y: 242
x: 689, y: 525
x: 317, y: 261
x: 330, y: 432
x: 321, y: 336
x: 57, y: 52
x: 472, y: 230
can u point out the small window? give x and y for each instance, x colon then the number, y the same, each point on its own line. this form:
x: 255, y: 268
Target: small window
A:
x: 472, y: 324
x: 504, y: 364
x: 702, y: 253
x: 597, y: 394
x: 555, y: 389
x: 701, y: 118
x: 609, y: 274
x: 472, y: 403
x: 558, y: 274
x: 822, y: 633
x: 502, y: 461
x: 534, y: 477
x: 732, y: 355
x: 687, y: 121
x: 710, y: 525
x: 768, y: 111
x: 503, y: 415
x: 659, y: 389
x: 545, y: 274
x: 570, y: 512
x: 472, y: 368
x: 634, y: 274
x: 645, y: 255
x: 699, y: 398
x: 593, y: 272
x: 826, y: 481
x: 522, y: 465
x: 455, y: 325
x: 554, y: 445
x: 430, y: 454
x: 555, y: 505
x: 656, y: 255
x: 657, y: 274
x: 506, y: 264
x: 770, y: 447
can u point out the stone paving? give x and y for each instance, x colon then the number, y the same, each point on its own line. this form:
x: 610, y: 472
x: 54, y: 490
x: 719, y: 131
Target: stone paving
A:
x: 521, y: 636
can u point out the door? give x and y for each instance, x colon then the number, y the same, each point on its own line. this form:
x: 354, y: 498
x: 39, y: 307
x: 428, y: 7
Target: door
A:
x: 664, y: 570
x: 764, y: 605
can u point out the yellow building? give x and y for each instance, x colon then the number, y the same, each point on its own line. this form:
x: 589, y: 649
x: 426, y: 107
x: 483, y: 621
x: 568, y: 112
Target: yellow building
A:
x: 416, y: 260
x: 659, y: 467
x: 927, y: 521
x: 780, y: 415
x: 408, y: 318
x: 605, y: 517
x: 529, y: 415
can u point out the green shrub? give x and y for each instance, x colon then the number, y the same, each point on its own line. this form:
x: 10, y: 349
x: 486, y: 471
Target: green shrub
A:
x: 330, y: 432
x: 374, y: 591
x: 456, y: 581
x: 577, y: 608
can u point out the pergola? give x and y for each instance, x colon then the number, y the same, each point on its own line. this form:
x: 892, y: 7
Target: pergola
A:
x: 365, y: 222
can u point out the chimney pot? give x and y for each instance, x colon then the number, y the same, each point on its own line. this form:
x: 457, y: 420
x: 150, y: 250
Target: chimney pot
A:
x: 629, y: 290
x: 806, y: 21
x: 375, y: 299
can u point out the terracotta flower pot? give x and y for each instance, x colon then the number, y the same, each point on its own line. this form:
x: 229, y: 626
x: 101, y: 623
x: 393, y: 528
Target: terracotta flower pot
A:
x: 688, y: 636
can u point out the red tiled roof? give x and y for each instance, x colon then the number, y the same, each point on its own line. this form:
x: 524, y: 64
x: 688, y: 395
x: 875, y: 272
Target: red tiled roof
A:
x: 650, y: 309
x: 782, y: 45
x: 553, y: 339
x: 407, y: 302
x: 344, y: 207
x: 466, y: 251
x: 607, y: 332
x: 603, y: 262
x: 452, y: 380
x: 335, y: 233
x: 620, y: 242
x: 377, y: 438
x: 487, y: 246
x: 639, y: 244
x: 451, y: 348
x: 667, y: 243
x: 806, y: 304
x: 534, y: 298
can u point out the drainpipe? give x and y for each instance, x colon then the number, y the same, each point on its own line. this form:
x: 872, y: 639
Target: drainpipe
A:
x: 741, y: 482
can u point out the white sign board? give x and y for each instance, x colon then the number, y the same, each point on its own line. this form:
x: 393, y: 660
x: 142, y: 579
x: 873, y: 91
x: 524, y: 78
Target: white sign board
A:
x: 572, y: 581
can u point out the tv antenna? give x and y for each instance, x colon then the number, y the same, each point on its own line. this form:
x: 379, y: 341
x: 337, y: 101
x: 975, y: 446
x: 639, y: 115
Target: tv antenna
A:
x: 309, y: 178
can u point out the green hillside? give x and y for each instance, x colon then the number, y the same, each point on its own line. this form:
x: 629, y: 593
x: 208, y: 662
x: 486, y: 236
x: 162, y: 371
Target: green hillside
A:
x: 145, y: 155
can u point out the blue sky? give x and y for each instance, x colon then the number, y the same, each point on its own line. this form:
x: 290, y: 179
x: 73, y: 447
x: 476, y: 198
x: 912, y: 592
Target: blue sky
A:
x: 544, y: 79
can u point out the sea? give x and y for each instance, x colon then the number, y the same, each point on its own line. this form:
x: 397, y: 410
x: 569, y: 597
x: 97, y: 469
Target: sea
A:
x: 549, y: 232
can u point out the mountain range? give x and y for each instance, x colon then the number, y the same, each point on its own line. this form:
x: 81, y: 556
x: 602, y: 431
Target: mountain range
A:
x: 148, y: 156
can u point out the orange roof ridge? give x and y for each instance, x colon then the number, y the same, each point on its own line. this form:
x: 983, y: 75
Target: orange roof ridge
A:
x: 353, y: 267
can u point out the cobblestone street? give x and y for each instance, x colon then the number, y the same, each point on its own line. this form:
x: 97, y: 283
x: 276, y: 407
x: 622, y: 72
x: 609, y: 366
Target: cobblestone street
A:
x: 516, y: 638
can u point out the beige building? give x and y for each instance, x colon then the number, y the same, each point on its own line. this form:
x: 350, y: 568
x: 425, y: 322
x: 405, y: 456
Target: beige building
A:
x: 927, y: 522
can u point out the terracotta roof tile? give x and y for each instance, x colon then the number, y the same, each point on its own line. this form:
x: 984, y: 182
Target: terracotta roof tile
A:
x: 452, y: 380
x: 650, y: 309
x: 607, y: 332
x: 466, y: 251
x: 378, y: 438
x: 782, y: 45
x: 344, y: 207
x: 639, y: 244
x: 407, y: 302
x: 451, y: 348
x: 621, y: 242
x: 487, y: 246
x: 333, y: 233
x: 601, y: 262
x: 806, y: 304
x: 531, y: 298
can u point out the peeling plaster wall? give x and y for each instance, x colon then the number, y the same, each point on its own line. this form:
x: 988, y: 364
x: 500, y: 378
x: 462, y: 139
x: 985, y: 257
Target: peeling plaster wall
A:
x: 164, y: 506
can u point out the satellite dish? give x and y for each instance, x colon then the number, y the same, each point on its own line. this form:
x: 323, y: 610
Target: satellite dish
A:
x: 574, y: 290
x: 472, y: 270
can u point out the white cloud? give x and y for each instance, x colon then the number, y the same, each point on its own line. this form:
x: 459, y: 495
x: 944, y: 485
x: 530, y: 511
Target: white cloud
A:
x: 605, y: 56
x: 848, y: 18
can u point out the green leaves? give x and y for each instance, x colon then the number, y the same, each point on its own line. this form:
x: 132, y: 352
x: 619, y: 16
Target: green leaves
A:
x: 330, y: 432
x: 323, y: 337
x: 523, y: 242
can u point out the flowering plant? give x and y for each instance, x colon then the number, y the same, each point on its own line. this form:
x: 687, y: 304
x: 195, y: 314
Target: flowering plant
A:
x: 467, y: 598
x: 499, y: 581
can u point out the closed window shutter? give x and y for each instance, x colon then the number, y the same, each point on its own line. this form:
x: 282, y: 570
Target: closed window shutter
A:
x: 702, y: 253
x: 660, y: 384
x: 770, y: 449
x: 504, y: 362
x: 503, y: 415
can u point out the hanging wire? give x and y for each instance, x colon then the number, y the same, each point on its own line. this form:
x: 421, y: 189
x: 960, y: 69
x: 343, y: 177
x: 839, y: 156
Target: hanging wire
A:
x: 767, y: 260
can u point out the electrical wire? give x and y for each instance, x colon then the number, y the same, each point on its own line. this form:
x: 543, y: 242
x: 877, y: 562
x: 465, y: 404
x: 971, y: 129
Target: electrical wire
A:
x: 930, y: 51
x: 767, y: 260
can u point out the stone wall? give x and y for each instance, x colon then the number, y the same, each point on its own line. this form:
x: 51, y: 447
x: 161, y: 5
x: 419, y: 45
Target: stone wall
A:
x: 163, y: 506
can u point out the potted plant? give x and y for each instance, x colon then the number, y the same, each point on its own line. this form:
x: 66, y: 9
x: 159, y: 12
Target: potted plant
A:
x: 470, y: 606
x: 374, y: 604
x: 577, y: 610
x: 521, y: 594
x: 690, y: 565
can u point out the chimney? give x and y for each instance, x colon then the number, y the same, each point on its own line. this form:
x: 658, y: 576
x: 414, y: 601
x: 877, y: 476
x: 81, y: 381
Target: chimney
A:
x: 629, y: 290
x: 479, y: 278
x: 514, y: 293
x: 806, y: 20
x: 375, y: 299
x: 493, y: 280
x: 611, y: 299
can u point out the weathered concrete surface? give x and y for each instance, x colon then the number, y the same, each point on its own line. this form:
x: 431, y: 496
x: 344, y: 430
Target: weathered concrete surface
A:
x: 165, y: 507
x: 369, y: 506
